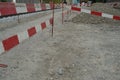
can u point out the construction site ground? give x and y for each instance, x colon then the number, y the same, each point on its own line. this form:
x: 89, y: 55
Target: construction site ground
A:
x: 77, y: 51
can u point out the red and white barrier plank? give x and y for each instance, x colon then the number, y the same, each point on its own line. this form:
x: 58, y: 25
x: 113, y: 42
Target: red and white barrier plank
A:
x: 9, y: 43
x: 7, y: 8
x: 96, y: 13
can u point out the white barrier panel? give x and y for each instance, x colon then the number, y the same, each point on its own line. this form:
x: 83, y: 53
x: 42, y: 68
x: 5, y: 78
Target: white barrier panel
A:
x: 22, y: 36
x: 107, y: 15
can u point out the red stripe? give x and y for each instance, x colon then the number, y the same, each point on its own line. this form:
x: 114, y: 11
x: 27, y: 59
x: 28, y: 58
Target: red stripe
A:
x: 51, y: 21
x: 31, y: 31
x: 96, y: 13
x: 116, y: 17
x: 10, y: 42
x: 51, y: 5
x: 43, y: 25
x: 3, y: 65
x: 63, y: 14
x: 30, y: 7
x: 43, y: 6
x: 75, y: 8
x: 7, y: 8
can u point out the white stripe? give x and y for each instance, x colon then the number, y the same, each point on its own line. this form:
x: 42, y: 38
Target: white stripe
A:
x: 107, y: 15
x: 55, y: 5
x: 47, y: 6
x: 14, y: 1
x: 22, y: 36
x: 86, y: 11
x: 38, y: 28
x: 21, y: 8
x: 1, y: 48
x: 47, y: 23
x: 60, y: 5
x: 68, y: 7
x: 37, y: 7
x: 40, y: 7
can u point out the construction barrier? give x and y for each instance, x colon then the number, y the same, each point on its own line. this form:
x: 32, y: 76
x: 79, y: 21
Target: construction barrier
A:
x: 10, y: 42
x: 95, y: 13
x: 10, y: 9
x: 7, y: 9
x: 30, y: 7
x: 14, y: 40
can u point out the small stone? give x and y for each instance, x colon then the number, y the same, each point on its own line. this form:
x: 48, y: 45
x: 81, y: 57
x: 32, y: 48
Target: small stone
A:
x: 85, y: 70
x: 51, y: 78
x: 73, y: 65
x: 60, y: 71
x: 56, y: 77
x: 51, y: 72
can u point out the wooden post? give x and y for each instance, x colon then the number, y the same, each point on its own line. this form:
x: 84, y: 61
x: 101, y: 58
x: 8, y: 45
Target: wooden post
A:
x: 18, y: 19
x: 62, y: 12
x: 53, y: 18
x: 3, y: 65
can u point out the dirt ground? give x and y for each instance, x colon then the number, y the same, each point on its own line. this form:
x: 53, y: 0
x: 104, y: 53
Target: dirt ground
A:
x: 78, y: 51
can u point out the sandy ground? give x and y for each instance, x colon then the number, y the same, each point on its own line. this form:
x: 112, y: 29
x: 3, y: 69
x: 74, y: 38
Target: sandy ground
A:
x: 76, y: 52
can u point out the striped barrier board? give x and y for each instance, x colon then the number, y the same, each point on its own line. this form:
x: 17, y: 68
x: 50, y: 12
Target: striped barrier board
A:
x: 22, y: 9
x: 37, y: 7
x: 96, y: 13
x: 30, y: 7
x: 43, y: 6
x: 7, y: 8
x: 51, y: 5
x: 12, y: 41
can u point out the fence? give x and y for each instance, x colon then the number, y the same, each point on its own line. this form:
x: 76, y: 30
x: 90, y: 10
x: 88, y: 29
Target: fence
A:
x: 7, y: 9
